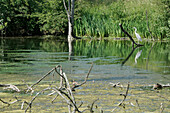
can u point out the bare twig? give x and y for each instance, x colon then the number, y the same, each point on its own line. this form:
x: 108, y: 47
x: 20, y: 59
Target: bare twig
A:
x: 22, y: 105
x: 28, y: 87
x: 161, y: 108
x: 10, y: 86
x: 54, y: 98
x: 43, y: 77
x: 91, y: 108
x: 137, y: 103
x: 85, y: 80
x: 80, y: 104
x: 69, y: 90
x: 125, y: 95
x: 9, y: 103
x: 4, y: 102
x: 68, y: 99
x: 30, y: 103
x: 116, y: 85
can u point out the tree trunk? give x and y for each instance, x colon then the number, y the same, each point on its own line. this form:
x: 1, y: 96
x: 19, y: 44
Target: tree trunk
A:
x: 70, y: 14
x: 70, y: 30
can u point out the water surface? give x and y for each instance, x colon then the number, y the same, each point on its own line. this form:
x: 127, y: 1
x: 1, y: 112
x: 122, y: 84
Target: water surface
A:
x: 30, y: 58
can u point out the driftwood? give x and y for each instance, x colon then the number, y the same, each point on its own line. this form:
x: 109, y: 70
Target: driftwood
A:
x: 116, y: 85
x: 9, y: 103
x: 30, y: 88
x: 64, y: 90
x: 158, y: 86
x: 138, y: 104
x: 125, y: 95
x: 129, y: 36
x: 10, y: 86
x: 30, y: 103
x: 90, y: 108
x: 161, y: 108
x: 76, y: 85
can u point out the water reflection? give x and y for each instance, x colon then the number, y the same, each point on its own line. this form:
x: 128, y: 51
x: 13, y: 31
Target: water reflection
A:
x: 147, y: 63
x: 137, y: 56
x: 71, y: 53
x: 35, y: 56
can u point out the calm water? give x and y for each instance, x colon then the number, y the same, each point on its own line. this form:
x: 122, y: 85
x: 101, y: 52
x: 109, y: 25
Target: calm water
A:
x: 30, y: 58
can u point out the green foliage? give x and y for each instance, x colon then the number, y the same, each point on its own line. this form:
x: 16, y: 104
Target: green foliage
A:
x: 100, y: 18
x: 52, y: 16
x: 16, y: 13
x: 32, y: 17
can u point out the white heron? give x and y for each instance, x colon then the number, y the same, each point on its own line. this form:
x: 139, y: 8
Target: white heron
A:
x: 137, y: 35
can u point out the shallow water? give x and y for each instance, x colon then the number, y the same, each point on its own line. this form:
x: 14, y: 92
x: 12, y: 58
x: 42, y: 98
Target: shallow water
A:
x: 114, y: 61
x: 33, y: 57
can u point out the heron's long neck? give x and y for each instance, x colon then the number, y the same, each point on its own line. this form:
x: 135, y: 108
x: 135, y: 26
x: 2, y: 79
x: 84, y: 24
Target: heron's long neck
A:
x: 135, y: 30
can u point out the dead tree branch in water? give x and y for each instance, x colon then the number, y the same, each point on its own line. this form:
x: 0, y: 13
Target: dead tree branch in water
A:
x: 129, y: 36
x: 90, y: 108
x: 30, y: 88
x: 10, y: 86
x: 161, y: 108
x: 125, y: 95
x: 64, y: 90
x: 30, y: 103
x: 9, y: 103
x: 78, y: 85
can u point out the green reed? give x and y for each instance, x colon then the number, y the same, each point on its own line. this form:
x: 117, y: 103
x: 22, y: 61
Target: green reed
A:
x: 102, y: 20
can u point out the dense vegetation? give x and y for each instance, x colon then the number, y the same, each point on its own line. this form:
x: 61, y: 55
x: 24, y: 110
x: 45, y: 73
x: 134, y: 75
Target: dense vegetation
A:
x: 99, y: 18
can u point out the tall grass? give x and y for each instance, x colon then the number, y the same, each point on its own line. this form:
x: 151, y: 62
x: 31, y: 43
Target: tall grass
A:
x: 102, y: 19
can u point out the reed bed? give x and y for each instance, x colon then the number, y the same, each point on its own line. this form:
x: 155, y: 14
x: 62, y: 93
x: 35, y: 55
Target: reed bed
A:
x: 100, y: 19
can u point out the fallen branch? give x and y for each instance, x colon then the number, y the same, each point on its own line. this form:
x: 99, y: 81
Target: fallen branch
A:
x: 116, y: 85
x: 60, y: 92
x: 160, y: 86
x: 43, y: 78
x: 161, y: 108
x: 9, y: 103
x: 137, y: 104
x: 30, y: 103
x: 78, y: 85
x: 90, y: 108
x: 125, y: 95
x: 10, y: 86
